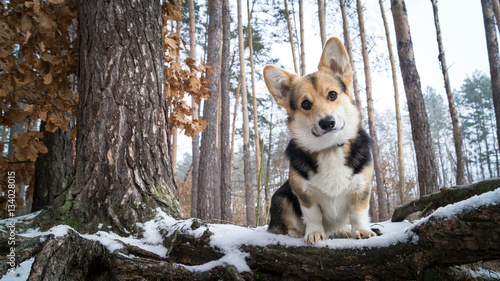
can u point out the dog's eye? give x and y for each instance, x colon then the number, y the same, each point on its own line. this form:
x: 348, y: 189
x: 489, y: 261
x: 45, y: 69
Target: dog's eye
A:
x: 332, y: 95
x: 306, y: 105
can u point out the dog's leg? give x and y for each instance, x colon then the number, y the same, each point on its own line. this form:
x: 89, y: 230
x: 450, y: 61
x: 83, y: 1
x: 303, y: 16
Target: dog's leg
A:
x: 313, y: 219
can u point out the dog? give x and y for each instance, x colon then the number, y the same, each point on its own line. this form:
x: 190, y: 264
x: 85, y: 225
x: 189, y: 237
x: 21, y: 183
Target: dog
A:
x: 331, y: 167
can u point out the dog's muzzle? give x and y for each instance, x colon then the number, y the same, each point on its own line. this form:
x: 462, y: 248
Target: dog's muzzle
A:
x: 327, y: 124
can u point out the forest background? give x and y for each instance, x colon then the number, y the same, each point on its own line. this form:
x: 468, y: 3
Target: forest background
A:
x: 465, y: 46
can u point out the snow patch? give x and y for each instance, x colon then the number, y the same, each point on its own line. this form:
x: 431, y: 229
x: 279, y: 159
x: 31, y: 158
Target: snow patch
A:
x: 21, y: 272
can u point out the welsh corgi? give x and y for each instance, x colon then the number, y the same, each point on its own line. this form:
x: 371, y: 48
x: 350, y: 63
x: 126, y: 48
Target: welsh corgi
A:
x: 331, y: 169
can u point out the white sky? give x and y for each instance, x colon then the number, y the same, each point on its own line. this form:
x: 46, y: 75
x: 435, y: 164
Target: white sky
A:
x: 463, y: 39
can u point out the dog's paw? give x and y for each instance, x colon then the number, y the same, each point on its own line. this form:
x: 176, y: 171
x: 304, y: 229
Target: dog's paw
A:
x: 313, y: 237
x: 363, y: 234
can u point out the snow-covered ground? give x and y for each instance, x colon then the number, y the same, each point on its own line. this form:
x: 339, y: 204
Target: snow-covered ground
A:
x: 229, y: 238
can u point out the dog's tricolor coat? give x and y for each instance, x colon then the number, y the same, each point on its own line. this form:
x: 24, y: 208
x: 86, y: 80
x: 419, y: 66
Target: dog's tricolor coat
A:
x: 331, y: 167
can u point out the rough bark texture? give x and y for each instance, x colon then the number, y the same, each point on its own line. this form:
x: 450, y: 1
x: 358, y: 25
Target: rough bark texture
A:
x: 53, y: 170
x: 399, y: 125
x: 225, y: 146
x: 426, y: 254
x: 496, y: 11
x: 457, y: 131
x: 381, y: 194
x: 444, y: 197
x: 209, y: 178
x: 426, y: 163
x: 493, y: 56
x: 123, y: 168
x: 249, y: 198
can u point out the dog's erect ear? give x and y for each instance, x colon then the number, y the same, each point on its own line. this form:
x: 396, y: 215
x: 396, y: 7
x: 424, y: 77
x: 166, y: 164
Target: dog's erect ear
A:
x: 335, y: 59
x: 279, y: 83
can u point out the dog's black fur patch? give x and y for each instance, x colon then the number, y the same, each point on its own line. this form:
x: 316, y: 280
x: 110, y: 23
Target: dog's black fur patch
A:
x: 301, y: 161
x: 276, y: 210
x: 360, y: 153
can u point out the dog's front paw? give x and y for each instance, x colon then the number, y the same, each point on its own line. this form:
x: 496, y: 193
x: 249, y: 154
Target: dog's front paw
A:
x: 363, y: 234
x: 313, y: 237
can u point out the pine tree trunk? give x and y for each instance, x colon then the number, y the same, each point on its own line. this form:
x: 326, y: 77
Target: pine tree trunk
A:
x: 321, y: 17
x: 249, y: 196
x: 195, y: 115
x: 290, y: 36
x: 457, y: 132
x: 399, y: 126
x: 348, y: 46
x: 209, y: 177
x: 496, y: 11
x: 494, y: 57
x: 426, y: 163
x: 225, y: 123
x: 302, y: 48
x: 381, y: 194
x: 123, y: 168
x: 53, y: 170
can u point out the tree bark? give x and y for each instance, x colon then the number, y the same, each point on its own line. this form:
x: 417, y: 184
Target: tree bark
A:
x: 457, y: 132
x: 493, y: 56
x: 321, y: 18
x: 302, y: 48
x: 348, y: 46
x: 426, y: 164
x: 381, y: 194
x: 443, y: 197
x: 53, y: 170
x: 290, y: 36
x: 496, y: 11
x: 249, y: 196
x: 399, y: 125
x: 209, y: 178
x: 225, y: 123
x: 123, y: 169
x: 195, y: 115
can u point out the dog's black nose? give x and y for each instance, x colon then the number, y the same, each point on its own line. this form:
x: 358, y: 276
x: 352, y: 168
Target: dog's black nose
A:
x: 327, y: 123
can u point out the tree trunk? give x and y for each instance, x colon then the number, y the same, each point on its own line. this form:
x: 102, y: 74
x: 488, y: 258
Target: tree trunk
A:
x: 225, y: 123
x: 123, y: 168
x: 249, y: 196
x: 494, y: 57
x: 426, y: 164
x: 209, y: 178
x: 290, y: 36
x: 255, y: 119
x: 496, y: 11
x: 53, y: 170
x: 381, y: 194
x: 302, y: 48
x: 195, y: 115
x: 347, y: 44
x: 399, y: 125
x: 457, y: 132
x: 321, y: 17
x: 233, y: 131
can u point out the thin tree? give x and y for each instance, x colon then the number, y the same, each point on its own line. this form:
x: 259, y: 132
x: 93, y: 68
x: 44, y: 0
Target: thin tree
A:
x: 348, y: 46
x: 381, y: 194
x: 321, y: 18
x: 457, y: 131
x: 225, y: 123
x: 302, y: 48
x: 249, y: 197
x: 290, y: 36
x: 255, y: 116
x: 426, y: 163
x: 121, y: 177
x: 399, y: 126
x: 209, y: 174
x: 496, y: 11
x: 195, y: 115
x: 493, y: 56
